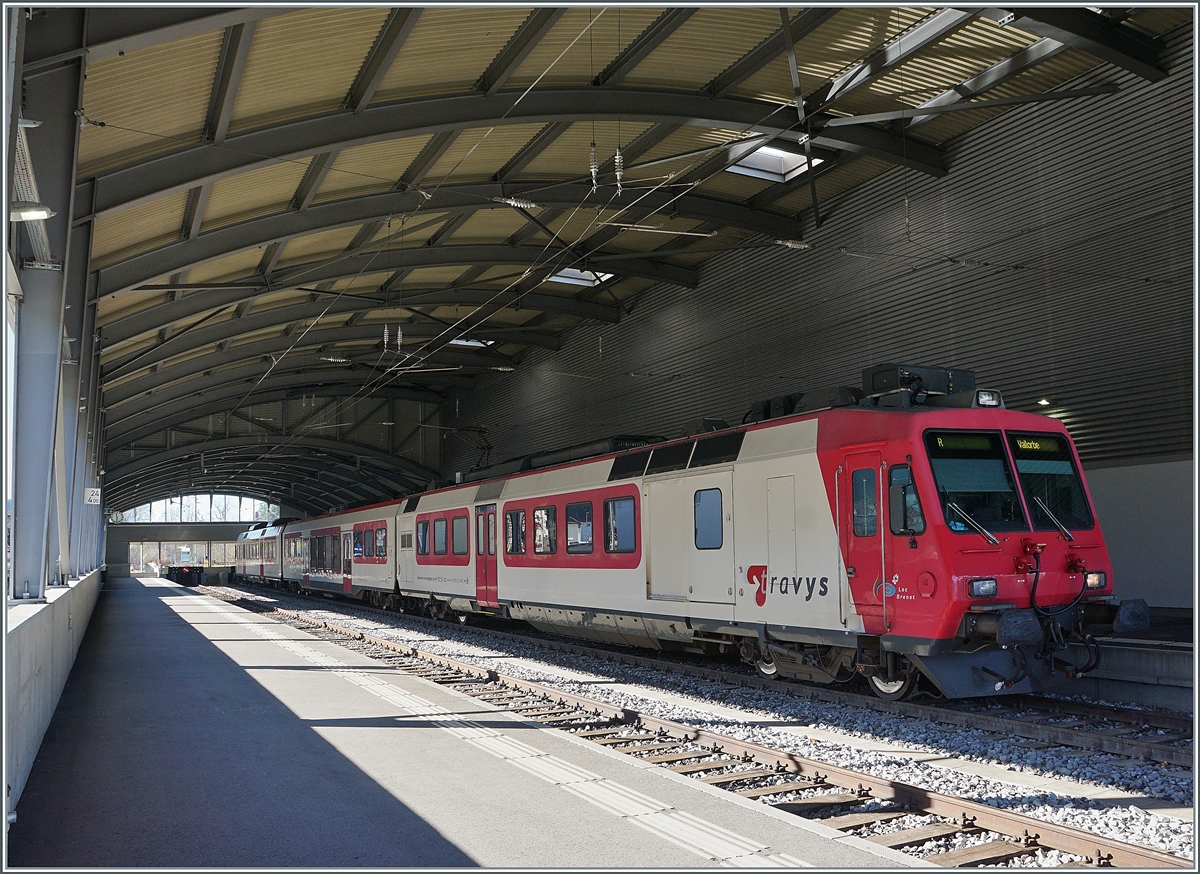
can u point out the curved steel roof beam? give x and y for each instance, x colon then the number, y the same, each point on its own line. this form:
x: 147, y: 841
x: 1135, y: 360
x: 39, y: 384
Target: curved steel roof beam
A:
x: 222, y: 405
x: 325, y: 445
x: 202, y: 335
x: 157, y: 317
x: 272, y: 488
x: 320, y: 372
x: 301, y: 139
x: 170, y: 373
x: 232, y: 393
x: 246, y: 472
x: 281, y: 227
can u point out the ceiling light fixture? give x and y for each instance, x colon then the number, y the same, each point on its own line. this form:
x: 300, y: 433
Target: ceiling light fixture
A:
x: 1044, y: 402
x: 29, y: 211
x: 516, y: 202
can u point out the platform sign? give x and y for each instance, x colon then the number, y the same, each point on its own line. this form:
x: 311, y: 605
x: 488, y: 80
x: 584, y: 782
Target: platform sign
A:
x: 91, y: 496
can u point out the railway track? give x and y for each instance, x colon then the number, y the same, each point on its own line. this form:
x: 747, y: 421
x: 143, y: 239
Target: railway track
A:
x: 918, y: 821
x: 1040, y: 722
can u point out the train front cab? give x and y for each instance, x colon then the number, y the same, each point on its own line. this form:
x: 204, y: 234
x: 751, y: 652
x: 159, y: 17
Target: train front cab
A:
x: 972, y: 553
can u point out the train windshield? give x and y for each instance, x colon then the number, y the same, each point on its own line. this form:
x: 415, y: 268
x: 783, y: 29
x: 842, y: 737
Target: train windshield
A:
x: 1047, y: 473
x: 972, y: 473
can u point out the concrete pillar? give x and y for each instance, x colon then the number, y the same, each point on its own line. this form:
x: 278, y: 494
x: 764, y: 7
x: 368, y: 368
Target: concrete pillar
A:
x: 52, y: 98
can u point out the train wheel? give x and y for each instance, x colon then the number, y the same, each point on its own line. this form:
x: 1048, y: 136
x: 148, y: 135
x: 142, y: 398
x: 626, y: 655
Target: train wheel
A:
x: 893, y: 690
x: 766, y: 665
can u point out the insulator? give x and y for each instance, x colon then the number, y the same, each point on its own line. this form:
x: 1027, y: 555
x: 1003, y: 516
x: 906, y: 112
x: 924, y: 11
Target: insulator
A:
x: 594, y: 166
x: 385, y: 336
x: 619, y: 165
x: 399, y: 337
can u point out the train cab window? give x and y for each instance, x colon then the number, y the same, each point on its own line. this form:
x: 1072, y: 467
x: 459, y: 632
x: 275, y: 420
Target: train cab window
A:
x: 459, y: 535
x: 439, y: 536
x: 545, y: 531
x: 904, y: 507
x: 368, y: 539
x: 423, y: 537
x: 514, y: 532
x: 707, y: 518
x: 866, y: 510
x: 1047, y: 473
x: 358, y: 546
x: 620, y: 525
x: 380, y: 542
x: 579, y: 527
x: 973, y: 475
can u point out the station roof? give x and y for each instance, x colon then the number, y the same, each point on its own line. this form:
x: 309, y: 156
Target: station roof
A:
x: 306, y: 214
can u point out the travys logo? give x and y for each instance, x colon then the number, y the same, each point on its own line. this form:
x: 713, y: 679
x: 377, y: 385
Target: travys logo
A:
x: 758, y: 577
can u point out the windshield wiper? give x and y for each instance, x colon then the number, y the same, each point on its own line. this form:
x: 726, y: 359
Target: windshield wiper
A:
x: 1061, y: 527
x: 991, y: 538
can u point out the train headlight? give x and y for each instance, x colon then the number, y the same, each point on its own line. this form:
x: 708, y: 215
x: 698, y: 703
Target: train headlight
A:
x: 1096, y: 579
x: 982, y: 588
x: 988, y: 398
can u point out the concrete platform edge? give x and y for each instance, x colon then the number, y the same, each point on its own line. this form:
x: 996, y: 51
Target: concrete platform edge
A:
x: 40, y: 645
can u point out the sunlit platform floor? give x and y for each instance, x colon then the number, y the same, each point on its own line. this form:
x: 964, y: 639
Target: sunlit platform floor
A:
x: 195, y: 734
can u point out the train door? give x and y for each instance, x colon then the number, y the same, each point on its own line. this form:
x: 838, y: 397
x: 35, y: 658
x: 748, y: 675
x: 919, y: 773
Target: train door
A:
x: 485, y: 556
x: 861, y: 526
x: 691, y: 527
x: 347, y: 561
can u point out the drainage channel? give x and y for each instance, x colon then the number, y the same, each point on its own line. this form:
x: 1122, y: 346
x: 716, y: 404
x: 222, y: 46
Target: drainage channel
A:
x: 914, y: 819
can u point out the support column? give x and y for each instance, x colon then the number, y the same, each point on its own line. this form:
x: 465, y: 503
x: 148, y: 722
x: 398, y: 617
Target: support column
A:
x: 52, y: 98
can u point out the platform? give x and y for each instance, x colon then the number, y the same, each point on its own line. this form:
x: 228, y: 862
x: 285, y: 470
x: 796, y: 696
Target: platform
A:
x: 195, y: 734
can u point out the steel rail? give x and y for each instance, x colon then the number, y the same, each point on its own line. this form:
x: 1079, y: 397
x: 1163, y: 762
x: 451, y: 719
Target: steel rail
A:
x: 1051, y: 835
x: 1130, y: 747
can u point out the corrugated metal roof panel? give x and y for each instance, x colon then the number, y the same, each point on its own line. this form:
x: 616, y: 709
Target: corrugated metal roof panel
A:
x: 732, y: 186
x: 448, y: 50
x: 569, y: 155
x: 434, y: 277
x: 489, y: 224
x: 137, y: 229
x: 253, y: 194
x: 126, y: 303
x: 615, y: 28
x: 237, y: 266
x: 691, y: 57
x: 1052, y: 72
x: 1157, y: 20
x: 938, y: 67
x: 848, y: 38
x: 307, y: 248
x: 142, y: 121
x: 303, y: 63
x: 369, y: 169
x: 476, y: 154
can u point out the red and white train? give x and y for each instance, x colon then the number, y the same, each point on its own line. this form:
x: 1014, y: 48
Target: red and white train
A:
x: 917, y: 527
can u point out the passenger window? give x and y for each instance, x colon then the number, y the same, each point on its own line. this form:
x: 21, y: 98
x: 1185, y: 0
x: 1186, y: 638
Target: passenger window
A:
x: 579, y: 527
x: 904, y: 507
x: 380, y: 542
x: 491, y: 517
x: 479, y: 523
x: 358, y: 545
x: 866, y: 514
x: 545, y: 531
x: 439, y: 536
x: 710, y: 532
x: 423, y: 537
x: 368, y: 543
x: 620, y: 525
x: 514, y: 532
x: 460, y: 532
